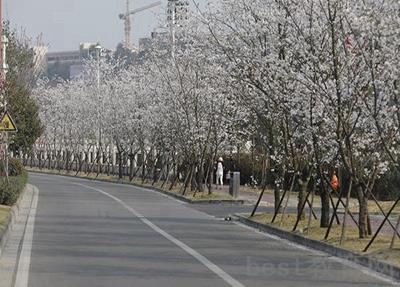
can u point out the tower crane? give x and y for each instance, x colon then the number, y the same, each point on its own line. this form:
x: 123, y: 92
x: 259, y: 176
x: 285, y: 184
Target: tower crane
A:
x: 127, y: 20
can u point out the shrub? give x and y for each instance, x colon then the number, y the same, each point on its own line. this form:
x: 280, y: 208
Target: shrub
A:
x: 387, y: 187
x: 245, y: 165
x: 15, y: 167
x: 10, y: 191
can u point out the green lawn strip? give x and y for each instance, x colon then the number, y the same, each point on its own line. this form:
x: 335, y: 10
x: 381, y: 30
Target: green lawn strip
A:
x: 372, y: 206
x: 176, y: 190
x: 379, y: 249
x: 4, y: 215
x: 11, y: 190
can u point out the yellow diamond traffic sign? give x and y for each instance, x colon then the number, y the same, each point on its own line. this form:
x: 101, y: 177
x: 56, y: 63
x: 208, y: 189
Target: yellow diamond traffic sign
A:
x: 7, y: 123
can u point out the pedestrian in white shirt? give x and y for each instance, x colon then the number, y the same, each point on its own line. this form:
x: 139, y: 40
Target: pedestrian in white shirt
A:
x: 220, y: 172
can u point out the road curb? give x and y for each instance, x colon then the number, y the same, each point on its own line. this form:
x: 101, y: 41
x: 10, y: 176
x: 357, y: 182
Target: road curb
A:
x: 14, y: 213
x: 159, y: 190
x: 365, y: 261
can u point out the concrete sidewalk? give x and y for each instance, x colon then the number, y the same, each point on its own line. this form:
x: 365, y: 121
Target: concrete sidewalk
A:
x: 10, y: 254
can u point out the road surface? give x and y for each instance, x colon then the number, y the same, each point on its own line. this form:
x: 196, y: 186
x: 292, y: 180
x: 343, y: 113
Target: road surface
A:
x: 87, y: 233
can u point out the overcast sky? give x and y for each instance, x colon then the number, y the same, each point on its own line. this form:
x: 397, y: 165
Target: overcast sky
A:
x: 66, y: 23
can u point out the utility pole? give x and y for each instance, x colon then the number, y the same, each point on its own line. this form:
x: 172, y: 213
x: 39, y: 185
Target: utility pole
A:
x: 177, y: 15
x: 2, y: 89
x: 1, y: 37
x: 6, y: 123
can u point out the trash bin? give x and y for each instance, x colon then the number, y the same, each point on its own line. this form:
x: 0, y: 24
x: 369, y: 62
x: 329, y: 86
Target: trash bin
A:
x: 234, y: 184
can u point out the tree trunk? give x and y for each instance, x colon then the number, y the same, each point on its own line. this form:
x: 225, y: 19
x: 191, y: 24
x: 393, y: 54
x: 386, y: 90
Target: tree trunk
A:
x: 302, y: 198
x: 173, y: 182
x: 288, y: 198
x: 120, y: 175
x: 187, y: 181
x: 131, y: 158
x: 277, y: 197
x: 192, y: 180
x: 211, y: 181
x: 48, y: 159
x: 325, y: 205
x: 369, y: 227
x: 362, y: 213
x: 311, y: 210
x: 144, y: 168
x: 167, y: 174
x: 277, y: 193
x: 346, y: 212
x: 200, y: 179
x: 40, y: 159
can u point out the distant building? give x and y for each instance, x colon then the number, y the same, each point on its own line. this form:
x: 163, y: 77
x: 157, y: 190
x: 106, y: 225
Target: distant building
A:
x: 75, y: 71
x: 69, y: 64
x: 177, y: 16
x: 177, y: 12
x: 88, y: 50
x: 146, y: 44
x: 70, y: 57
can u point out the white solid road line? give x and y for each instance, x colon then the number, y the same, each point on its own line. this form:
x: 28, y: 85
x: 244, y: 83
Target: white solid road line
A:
x: 214, y: 268
x: 22, y: 275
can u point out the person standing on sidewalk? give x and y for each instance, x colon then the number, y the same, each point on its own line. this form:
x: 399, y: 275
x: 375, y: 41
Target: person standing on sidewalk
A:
x: 220, y: 172
x: 334, y: 181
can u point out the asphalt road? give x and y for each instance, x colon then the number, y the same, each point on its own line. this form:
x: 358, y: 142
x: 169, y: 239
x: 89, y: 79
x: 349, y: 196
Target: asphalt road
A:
x: 89, y: 233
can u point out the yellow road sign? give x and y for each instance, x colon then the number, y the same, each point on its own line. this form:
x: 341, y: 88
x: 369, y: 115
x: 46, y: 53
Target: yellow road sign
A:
x: 7, y: 124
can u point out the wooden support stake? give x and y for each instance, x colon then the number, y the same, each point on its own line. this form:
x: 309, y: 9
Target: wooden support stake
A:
x: 395, y: 233
x: 309, y: 217
x: 301, y: 211
x: 380, y: 227
x: 279, y: 206
x: 287, y: 199
x: 258, y: 201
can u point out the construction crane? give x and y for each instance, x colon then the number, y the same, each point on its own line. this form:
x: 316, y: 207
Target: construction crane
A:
x: 127, y: 20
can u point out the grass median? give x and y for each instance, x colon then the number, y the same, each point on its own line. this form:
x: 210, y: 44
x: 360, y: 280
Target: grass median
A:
x: 11, y: 190
x: 373, y: 207
x: 4, y: 215
x: 379, y: 250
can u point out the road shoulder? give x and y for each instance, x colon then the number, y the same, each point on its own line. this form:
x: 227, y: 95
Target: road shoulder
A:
x: 12, y: 236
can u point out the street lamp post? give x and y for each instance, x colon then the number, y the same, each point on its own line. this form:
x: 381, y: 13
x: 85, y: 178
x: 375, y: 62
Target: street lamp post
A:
x: 5, y: 45
x: 3, y: 80
x: 1, y: 28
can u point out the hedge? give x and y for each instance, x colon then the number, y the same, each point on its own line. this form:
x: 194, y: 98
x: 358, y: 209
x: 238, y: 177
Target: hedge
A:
x: 10, y: 191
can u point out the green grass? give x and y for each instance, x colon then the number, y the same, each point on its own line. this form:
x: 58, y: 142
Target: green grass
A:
x: 379, y: 249
x: 204, y: 196
x: 4, y: 214
x: 176, y: 190
x: 11, y: 190
x: 372, y: 206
